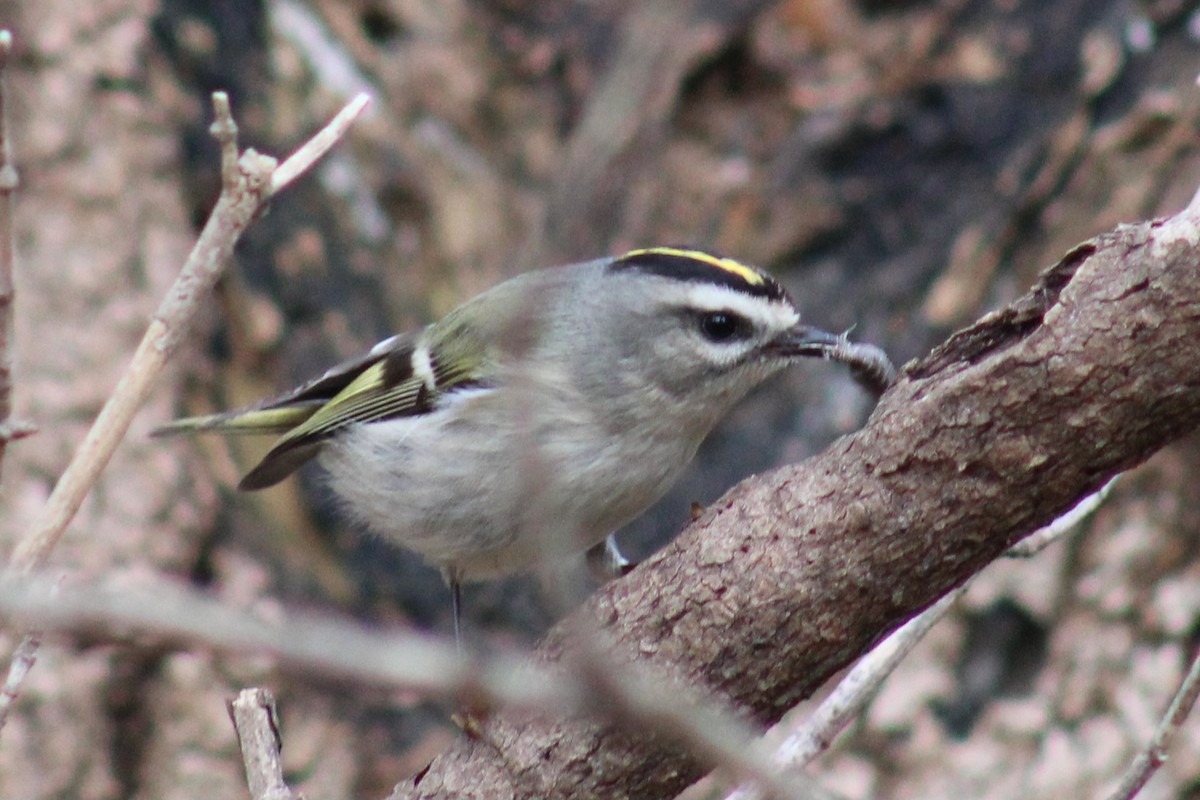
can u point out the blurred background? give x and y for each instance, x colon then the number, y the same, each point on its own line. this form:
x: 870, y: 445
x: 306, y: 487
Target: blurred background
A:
x: 902, y: 167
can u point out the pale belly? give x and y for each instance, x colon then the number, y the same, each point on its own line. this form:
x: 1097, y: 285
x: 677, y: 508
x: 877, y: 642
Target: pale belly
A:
x: 480, y: 500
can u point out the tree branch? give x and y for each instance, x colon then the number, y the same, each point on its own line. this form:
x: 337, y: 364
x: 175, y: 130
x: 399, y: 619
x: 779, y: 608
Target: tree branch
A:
x: 1154, y: 755
x: 257, y: 726
x: 250, y: 180
x: 794, y: 574
x: 806, y: 739
x: 249, y: 183
x: 10, y: 428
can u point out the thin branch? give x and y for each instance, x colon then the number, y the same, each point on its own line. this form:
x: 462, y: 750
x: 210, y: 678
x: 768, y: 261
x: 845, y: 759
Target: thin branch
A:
x: 1147, y: 762
x: 643, y: 703
x: 634, y: 697
x: 1042, y: 538
x: 225, y: 130
x: 808, y: 740
x: 800, y: 743
x: 23, y: 659
x: 340, y: 649
x: 316, y: 147
x: 9, y: 428
x: 248, y: 181
x: 257, y: 726
x: 234, y: 210
x: 307, y: 644
x: 24, y: 656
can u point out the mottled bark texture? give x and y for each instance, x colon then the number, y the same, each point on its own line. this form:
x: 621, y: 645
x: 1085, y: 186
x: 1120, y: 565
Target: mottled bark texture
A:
x: 793, y: 574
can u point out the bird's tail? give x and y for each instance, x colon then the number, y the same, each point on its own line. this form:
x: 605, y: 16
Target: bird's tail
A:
x: 266, y: 421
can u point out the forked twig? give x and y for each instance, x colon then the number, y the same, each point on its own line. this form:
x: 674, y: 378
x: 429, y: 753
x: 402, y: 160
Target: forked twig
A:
x: 249, y: 182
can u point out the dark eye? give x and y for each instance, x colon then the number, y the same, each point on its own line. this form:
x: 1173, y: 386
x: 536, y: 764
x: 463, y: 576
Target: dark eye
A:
x: 722, y: 326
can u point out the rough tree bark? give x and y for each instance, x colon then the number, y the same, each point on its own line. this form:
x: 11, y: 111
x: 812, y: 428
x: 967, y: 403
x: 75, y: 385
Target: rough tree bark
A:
x: 790, y: 576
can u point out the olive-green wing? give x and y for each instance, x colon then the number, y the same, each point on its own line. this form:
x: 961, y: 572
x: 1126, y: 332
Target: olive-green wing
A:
x: 283, y: 413
x: 376, y: 385
x: 406, y: 380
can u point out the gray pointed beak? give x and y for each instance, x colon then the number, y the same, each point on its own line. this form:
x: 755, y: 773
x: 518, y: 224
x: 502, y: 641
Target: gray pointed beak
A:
x: 804, y: 340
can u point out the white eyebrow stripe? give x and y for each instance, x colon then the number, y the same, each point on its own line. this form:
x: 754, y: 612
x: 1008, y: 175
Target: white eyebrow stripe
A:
x: 770, y: 314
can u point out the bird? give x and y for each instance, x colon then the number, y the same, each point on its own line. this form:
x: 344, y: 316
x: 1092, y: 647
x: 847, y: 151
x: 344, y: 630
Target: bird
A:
x: 536, y: 419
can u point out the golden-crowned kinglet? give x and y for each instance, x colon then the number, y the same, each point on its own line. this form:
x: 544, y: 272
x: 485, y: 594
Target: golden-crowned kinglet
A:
x: 536, y: 419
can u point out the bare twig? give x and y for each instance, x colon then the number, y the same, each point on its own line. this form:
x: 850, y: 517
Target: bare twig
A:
x: 234, y: 210
x: 335, y: 648
x: 307, y: 644
x: 257, y: 726
x: 642, y: 702
x: 248, y: 185
x: 316, y: 147
x: 24, y: 655
x: 812, y: 736
x: 225, y: 130
x: 250, y: 180
x: 1042, y: 538
x: 23, y: 659
x: 9, y: 428
x: 1147, y: 762
x: 630, y: 695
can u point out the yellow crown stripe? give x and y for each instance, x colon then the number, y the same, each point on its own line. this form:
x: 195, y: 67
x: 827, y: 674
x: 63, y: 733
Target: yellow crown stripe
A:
x: 747, y: 274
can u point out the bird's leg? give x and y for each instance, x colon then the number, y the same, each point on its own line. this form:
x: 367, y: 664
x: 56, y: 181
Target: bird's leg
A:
x: 453, y: 579
x: 469, y: 718
x: 606, y: 562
